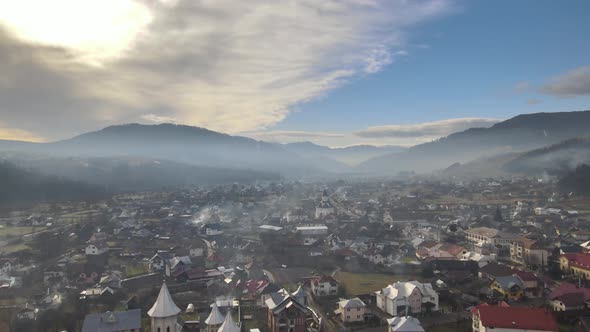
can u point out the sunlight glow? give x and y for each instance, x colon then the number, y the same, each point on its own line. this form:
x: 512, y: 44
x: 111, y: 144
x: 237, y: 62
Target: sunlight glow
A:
x: 95, y: 31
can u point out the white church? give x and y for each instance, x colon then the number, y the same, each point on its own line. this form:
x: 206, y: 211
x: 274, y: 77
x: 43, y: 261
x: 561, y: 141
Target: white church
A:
x: 324, y: 208
x: 164, y: 316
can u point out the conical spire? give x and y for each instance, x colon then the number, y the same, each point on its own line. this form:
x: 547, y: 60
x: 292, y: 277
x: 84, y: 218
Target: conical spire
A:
x: 215, y: 317
x: 164, y: 306
x: 228, y: 324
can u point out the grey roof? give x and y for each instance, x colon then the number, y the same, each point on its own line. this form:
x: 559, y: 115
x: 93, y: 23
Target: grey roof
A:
x: 112, y: 321
x: 228, y: 324
x: 164, y: 306
x: 215, y: 317
x: 300, y: 292
x: 405, y: 324
x: 352, y: 303
x: 509, y: 281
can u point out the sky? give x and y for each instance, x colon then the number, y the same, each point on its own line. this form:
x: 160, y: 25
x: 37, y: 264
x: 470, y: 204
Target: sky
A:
x: 338, y: 73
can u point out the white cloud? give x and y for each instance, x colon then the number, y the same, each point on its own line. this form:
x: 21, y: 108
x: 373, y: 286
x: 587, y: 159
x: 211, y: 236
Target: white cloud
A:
x: 154, y: 118
x: 521, y: 87
x: 401, y: 135
x: 19, y: 135
x: 571, y: 84
x: 429, y: 130
x: 226, y: 65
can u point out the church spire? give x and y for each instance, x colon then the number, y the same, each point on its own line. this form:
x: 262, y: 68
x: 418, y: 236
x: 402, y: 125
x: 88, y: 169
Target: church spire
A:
x: 164, y: 306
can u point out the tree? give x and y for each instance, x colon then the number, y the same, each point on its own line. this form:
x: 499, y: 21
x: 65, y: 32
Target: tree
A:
x: 498, y: 215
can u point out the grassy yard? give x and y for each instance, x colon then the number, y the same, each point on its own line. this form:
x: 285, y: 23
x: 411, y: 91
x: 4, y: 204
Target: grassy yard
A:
x: 136, y: 269
x: 13, y: 248
x: 10, y: 231
x: 363, y: 283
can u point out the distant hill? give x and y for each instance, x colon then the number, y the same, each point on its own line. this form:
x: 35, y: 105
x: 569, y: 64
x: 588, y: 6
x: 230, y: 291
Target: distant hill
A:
x: 21, y: 186
x: 350, y: 156
x: 521, y: 133
x: 577, y: 180
x: 176, y: 143
x: 557, y: 158
x: 120, y: 174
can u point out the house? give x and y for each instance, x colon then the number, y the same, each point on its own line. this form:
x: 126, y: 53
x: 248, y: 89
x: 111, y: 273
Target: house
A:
x: 96, y: 293
x: 286, y: 314
x: 312, y: 230
x: 352, y: 310
x: 475, y: 311
x: 96, y: 248
x: 177, y: 262
x: 533, y: 286
x: 575, y: 265
x: 7, y: 264
x: 403, y: 298
x: 529, y: 252
x: 509, y: 287
x: 159, y: 260
x: 483, y: 236
x: 324, y: 208
x: 482, y: 260
x: 404, y: 324
x: 494, y: 270
x: 113, y: 321
x: 440, y: 250
x: 324, y: 286
x: 513, y: 319
x: 568, y: 297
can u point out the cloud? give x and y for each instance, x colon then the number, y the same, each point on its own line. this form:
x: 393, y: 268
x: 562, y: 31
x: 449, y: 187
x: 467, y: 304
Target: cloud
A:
x: 571, y: 84
x: 432, y: 130
x: 534, y: 101
x: 154, y: 118
x: 292, y: 134
x: 231, y: 66
x: 19, y: 135
x: 521, y: 87
x: 401, y: 135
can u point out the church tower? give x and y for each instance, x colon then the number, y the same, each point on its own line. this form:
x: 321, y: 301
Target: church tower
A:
x: 164, y: 313
x: 215, y: 319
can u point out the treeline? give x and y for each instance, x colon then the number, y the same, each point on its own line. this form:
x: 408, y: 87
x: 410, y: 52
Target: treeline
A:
x: 577, y: 181
x: 21, y: 187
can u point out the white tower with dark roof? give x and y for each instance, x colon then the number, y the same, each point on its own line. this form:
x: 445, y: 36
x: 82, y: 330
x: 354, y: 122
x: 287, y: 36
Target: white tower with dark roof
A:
x: 164, y: 313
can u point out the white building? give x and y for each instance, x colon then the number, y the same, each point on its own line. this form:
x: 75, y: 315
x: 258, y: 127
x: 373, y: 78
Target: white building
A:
x: 164, y: 313
x: 481, y: 236
x: 312, y: 230
x: 352, y: 310
x: 96, y: 249
x: 324, y: 286
x: 324, y: 208
x: 404, y: 298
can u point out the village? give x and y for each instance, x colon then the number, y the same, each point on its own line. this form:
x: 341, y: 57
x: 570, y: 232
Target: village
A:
x: 419, y: 255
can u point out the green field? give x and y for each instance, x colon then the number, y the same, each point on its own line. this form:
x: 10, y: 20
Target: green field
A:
x: 364, y: 283
x: 10, y: 231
